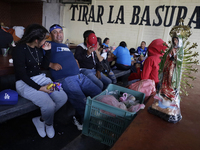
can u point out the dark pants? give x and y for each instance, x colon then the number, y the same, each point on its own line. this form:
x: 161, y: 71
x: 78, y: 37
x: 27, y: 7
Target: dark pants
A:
x: 122, y: 67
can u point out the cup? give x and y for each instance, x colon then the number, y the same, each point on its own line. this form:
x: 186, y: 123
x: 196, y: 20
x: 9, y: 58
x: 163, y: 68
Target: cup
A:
x: 4, y: 52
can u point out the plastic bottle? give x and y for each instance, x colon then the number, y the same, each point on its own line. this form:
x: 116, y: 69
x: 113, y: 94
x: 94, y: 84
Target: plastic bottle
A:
x: 67, y: 42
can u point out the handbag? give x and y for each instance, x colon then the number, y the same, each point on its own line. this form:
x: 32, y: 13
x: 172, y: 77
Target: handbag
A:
x: 106, y: 66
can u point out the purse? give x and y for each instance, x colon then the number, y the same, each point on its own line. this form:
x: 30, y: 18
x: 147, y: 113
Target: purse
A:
x: 106, y: 66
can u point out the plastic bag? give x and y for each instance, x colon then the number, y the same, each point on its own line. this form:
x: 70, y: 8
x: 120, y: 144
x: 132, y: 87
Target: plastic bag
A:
x: 146, y: 86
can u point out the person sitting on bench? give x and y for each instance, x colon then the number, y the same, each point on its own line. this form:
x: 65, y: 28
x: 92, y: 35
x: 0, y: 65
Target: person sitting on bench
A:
x: 31, y: 83
x: 122, y: 54
x: 64, y: 69
x: 88, y: 61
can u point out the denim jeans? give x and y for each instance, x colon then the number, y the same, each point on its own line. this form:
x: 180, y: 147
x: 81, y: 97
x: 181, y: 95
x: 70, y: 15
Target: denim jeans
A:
x: 111, y: 75
x: 102, y: 83
x: 78, y: 87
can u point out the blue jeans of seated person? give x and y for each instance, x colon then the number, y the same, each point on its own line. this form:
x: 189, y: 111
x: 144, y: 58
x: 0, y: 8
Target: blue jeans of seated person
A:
x: 77, y: 88
x: 111, y: 75
x: 102, y: 83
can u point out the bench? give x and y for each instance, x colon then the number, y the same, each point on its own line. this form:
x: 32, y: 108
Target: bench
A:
x: 120, y: 73
x: 23, y: 105
x: 122, y: 76
x: 11, y: 111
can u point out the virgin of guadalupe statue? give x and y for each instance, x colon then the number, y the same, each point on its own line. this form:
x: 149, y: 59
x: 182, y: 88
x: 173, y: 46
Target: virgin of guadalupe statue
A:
x: 173, y: 66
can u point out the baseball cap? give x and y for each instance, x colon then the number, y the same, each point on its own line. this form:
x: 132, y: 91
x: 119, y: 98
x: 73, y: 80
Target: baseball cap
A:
x: 8, y: 97
x: 92, y: 41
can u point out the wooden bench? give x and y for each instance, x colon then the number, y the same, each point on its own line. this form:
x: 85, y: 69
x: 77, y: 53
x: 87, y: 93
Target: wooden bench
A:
x: 120, y: 73
x: 24, y: 106
x: 122, y: 76
x: 10, y: 111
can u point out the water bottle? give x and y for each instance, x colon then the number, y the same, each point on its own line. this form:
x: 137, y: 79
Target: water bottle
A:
x: 67, y: 42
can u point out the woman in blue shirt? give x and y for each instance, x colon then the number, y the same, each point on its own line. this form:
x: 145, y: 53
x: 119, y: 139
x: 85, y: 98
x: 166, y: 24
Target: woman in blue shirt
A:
x: 122, y: 54
x: 106, y: 42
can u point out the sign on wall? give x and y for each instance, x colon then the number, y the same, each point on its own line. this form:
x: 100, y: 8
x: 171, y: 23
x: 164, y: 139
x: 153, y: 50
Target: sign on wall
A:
x: 87, y: 14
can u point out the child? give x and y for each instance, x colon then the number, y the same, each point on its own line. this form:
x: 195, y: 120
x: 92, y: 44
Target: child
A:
x: 135, y: 60
x: 142, y: 51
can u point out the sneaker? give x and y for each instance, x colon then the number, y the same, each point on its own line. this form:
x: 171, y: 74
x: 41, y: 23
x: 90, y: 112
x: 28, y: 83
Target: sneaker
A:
x: 50, y: 131
x: 79, y: 126
x: 40, y: 126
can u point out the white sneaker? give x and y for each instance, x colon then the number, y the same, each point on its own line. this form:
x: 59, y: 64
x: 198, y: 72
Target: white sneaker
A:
x: 79, y: 126
x: 40, y: 126
x: 50, y: 131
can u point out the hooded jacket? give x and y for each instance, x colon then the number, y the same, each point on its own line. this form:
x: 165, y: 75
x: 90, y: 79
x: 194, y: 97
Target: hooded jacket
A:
x: 151, y: 64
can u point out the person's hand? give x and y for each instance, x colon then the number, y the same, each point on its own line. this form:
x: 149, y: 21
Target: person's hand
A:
x: 46, y: 46
x: 137, y: 65
x: 113, y: 56
x: 133, y: 62
x: 173, y: 51
x: 55, y: 66
x: 141, y: 58
x: 44, y: 89
x: 143, y: 63
x: 97, y: 50
x: 98, y: 74
x: 90, y: 50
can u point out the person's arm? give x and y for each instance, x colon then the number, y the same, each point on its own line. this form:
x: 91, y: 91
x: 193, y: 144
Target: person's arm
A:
x: 98, y: 74
x: 46, y: 58
x: 19, y: 62
x: 114, y: 53
x: 100, y: 58
x: 146, y: 55
x: 77, y: 63
x: 79, y: 52
x: 98, y: 64
x: 55, y: 66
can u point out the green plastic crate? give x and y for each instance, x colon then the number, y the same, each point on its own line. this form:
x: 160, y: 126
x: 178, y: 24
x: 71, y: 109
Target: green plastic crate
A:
x: 108, y: 128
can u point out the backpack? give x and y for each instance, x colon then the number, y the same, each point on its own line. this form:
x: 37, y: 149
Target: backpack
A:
x: 106, y: 66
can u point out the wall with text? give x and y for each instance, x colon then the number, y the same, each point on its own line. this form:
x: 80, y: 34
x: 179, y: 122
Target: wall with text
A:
x: 132, y: 21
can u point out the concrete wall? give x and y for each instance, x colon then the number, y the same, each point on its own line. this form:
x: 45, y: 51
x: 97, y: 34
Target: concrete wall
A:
x: 122, y: 24
x: 51, y: 13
